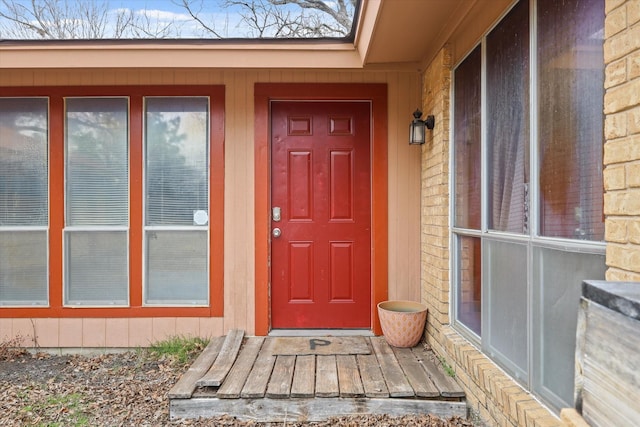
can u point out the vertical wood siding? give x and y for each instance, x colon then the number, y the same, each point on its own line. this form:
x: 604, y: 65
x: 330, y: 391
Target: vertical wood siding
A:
x: 239, y: 269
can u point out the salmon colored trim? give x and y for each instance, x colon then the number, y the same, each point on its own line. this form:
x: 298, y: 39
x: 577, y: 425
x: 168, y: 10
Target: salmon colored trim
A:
x: 377, y: 94
x: 56, y: 96
x: 216, y: 204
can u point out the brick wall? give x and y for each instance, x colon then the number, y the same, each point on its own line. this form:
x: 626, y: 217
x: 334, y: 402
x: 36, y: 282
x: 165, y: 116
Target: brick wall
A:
x: 622, y: 134
x: 494, y: 399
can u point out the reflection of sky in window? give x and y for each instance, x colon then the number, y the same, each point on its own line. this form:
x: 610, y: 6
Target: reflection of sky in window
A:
x: 170, y: 17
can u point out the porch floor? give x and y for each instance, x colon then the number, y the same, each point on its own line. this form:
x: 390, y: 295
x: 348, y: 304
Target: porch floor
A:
x: 276, y: 379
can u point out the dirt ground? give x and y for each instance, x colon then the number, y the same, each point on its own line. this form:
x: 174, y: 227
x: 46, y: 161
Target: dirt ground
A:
x: 126, y: 389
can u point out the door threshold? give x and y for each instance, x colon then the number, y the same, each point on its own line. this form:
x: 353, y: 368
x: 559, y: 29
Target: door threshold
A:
x: 321, y: 333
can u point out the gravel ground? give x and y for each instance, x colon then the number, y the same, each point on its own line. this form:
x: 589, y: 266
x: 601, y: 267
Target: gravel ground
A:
x: 126, y: 389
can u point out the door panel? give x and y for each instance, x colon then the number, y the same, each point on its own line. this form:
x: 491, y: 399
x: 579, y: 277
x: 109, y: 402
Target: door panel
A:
x: 321, y: 181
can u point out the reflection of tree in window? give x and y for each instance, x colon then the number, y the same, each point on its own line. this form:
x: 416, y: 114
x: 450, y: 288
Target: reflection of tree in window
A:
x: 23, y: 162
x: 97, y: 182
x: 176, y: 167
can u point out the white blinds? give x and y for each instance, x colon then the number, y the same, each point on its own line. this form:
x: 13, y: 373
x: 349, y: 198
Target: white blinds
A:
x: 177, y: 267
x: 176, y: 160
x: 176, y: 200
x: 23, y: 162
x: 24, y: 206
x: 23, y: 267
x: 97, y: 201
x: 97, y: 268
x: 97, y: 161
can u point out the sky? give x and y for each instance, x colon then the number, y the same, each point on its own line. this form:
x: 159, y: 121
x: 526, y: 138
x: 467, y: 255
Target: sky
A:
x: 226, y: 21
x: 152, y: 15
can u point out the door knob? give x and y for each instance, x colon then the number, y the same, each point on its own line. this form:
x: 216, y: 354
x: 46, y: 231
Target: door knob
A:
x: 276, y: 232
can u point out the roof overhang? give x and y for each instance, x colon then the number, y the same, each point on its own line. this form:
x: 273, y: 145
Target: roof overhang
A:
x: 390, y: 34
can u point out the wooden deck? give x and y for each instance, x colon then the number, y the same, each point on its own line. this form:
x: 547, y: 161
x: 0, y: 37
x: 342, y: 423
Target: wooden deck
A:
x: 255, y: 379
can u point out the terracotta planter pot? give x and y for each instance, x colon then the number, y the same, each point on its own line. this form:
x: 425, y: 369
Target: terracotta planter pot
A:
x: 402, y: 322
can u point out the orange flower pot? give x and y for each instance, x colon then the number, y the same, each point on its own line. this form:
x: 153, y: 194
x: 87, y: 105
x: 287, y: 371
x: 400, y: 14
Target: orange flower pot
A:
x: 402, y: 322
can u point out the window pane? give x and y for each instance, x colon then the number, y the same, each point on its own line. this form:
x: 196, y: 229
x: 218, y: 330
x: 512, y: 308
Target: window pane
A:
x: 177, y: 267
x: 556, y: 300
x: 506, y: 332
x: 23, y: 267
x: 571, y: 82
x: 176, y: 161
x: 469, y: 301
x: 508, y: 121
x: 97, y: 268
x: 466, y: 129
x: 23, y: 162
x: 96, y: 161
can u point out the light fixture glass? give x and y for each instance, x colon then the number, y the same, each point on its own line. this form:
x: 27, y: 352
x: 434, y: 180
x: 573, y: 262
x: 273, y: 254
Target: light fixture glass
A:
x: 417, y: 128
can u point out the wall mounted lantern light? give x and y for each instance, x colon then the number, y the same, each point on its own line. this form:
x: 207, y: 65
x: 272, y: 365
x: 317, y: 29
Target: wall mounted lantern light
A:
x: 417, y: 133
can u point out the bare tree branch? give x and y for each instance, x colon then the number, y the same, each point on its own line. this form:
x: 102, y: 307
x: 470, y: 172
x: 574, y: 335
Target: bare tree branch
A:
x: 95, y: 19
x: 188, y: 5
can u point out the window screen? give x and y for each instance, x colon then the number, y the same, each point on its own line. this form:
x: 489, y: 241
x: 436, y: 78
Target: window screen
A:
x: 571, y: 135
x: 469, y: 297
x: 560, y: 275
x: 508, y: 121
x: 506, y: 336
x: 467, y: 139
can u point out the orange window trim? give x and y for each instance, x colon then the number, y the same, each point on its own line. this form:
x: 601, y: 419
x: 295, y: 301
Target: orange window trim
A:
x: 377, y: 94
x: 216, y: 94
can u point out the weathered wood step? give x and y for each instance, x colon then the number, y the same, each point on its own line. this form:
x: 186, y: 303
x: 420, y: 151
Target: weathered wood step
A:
x: 186, y: 385
x: 310, y: 410
x: 446, y: 384
x: 221, y: 367
x: 251, y: 380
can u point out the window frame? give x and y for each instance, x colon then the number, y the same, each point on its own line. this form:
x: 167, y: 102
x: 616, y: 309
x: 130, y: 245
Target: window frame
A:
x: 146, y: 300
x: 37, y: 228
x: 56, y: 191
x: 533, y: 240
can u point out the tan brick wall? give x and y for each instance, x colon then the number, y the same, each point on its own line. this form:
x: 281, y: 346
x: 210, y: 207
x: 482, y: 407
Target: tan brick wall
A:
x: 493, y: 397
x: 622, y: 134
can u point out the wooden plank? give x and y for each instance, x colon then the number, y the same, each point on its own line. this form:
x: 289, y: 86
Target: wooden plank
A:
x: 397, y: 383
x: 611, y: 367
x: 304, y: 377
x: 372, y: 379
x: 326, y: 377
x: 224, y: 361
x: 256, y: 384
x: 185, y: 386
x: 349, y: 377
x: 417, y: 376
x: 280, y: 383
x: 301, y: 346
x: 447, y: 385
x: 232, y: 387
x: 310, y: 410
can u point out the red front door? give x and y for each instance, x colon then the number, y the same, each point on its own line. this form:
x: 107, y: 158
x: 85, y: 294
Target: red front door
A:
x: 321, y: 215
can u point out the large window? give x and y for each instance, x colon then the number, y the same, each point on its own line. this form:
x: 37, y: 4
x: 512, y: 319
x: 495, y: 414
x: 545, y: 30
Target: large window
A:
x: 176, y: 200
x: 527, y: 180
x: 97, y: 201
x: 24, y: 208
x: 111, y: 201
